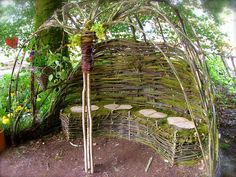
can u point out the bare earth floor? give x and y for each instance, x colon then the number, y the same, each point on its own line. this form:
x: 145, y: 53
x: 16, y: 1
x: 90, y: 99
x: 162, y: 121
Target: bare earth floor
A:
x: 53, y: 156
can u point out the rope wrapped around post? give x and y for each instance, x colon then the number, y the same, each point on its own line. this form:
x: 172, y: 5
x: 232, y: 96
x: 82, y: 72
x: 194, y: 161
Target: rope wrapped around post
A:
x: 87, y: 46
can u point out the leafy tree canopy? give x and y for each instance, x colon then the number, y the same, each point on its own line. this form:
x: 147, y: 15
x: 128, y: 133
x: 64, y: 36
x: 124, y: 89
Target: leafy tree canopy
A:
x: 16, y: 18
x: 216, y: 6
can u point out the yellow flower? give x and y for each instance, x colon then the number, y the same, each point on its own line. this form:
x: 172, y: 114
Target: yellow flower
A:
x: 38, y: 99
x: 10, y: 115
x: 18, y: 108
x: 5, y: 120
x: 27, y: 110
x: 13, y: 94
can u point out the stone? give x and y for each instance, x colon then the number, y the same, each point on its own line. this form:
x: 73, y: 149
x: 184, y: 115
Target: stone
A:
x: 158, y: 115
x: 78, y: 109
x: 147, y: 112
x: 180, y: 122
x: 151, y: 113
x: 124, y: 106
x: 112, y: 106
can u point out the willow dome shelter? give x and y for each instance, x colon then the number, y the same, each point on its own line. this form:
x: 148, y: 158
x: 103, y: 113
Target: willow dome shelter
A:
x: 144, y: 86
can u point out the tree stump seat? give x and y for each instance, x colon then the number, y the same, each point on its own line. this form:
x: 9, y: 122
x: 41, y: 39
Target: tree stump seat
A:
x: 71, y: 120
x: 114, y: 107
x: 71, y: 117
x: 151, y: 113
x: 180, y: 123
x: 78, y: 109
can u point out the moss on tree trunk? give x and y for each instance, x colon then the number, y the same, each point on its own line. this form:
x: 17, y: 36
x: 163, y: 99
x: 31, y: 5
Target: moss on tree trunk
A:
x: 52, y: 37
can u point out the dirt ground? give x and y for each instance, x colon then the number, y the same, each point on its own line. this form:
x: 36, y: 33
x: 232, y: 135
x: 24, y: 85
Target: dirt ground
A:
x: 228, y: 142
x: 53, y: 156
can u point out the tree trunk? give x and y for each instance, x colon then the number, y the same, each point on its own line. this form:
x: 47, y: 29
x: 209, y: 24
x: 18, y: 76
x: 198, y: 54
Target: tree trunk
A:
x: 55, y: 39
x: 52, y: 37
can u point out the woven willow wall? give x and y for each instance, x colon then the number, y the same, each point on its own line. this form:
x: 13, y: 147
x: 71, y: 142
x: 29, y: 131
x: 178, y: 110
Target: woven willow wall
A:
x: 135, y: 73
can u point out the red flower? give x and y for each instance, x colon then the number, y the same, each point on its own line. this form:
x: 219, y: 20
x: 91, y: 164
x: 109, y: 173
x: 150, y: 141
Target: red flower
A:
x: 12, y: 42
x: 30, y: 58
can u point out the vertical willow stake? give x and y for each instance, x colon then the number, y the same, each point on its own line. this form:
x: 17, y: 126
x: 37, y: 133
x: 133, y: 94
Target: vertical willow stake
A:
x: 87, y: 45
x: 83, y: 123
x: 89, y: 124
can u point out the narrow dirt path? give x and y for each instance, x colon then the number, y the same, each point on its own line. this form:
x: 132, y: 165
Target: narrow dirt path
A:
x: 228, y: 142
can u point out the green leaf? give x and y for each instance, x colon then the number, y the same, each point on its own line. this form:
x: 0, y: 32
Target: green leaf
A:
x: 50, y: 77
x: 99, y: 30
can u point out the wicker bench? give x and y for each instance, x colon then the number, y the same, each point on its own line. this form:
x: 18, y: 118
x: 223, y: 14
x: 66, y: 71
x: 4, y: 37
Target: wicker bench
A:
x: 175, y: 144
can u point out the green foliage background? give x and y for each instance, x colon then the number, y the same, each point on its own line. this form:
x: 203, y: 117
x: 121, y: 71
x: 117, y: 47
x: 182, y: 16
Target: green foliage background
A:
x: 16, y: 19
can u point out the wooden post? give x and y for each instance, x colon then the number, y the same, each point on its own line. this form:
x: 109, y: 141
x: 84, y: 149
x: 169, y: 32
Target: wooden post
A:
x: 87, y: 40
x: 83, y: 123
